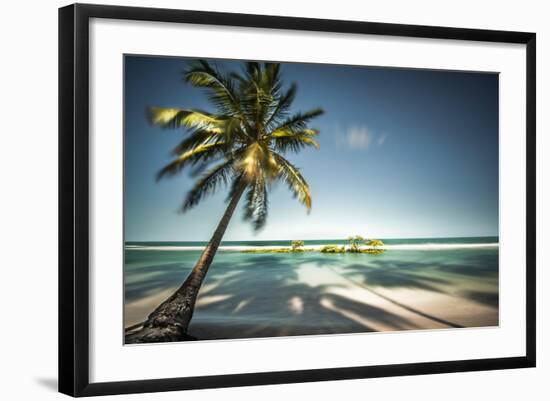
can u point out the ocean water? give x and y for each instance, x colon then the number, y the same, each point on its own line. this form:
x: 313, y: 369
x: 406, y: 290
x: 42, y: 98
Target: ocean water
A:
x: 394, y: 243
x: 422, y: 283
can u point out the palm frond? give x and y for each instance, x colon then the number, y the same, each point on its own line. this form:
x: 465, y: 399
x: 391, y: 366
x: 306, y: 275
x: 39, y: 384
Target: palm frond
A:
x: 200, y: 153
x: 256, y: 203
x: 167, y: 117
x: 252, y: 69
x: 208, y: 184
x: 287, y: 140
x: 235, y: 131
x: 282, y: 106
x: 234, y: 186
x: 221, y: 88
x: 255, y: 104
x: 250, y: 163
x: 290, y: 174
x: 230, y: 131
x: 256, y: 160
x: 272, y: 76
x: 298, y: 121
x: 196, y: 138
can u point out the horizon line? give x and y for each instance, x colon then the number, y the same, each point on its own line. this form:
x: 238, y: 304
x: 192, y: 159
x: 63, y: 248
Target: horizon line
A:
x: 318, y: 239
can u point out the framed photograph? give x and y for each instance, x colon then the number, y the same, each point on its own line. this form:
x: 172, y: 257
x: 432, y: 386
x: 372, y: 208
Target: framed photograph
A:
x: 249, y: 199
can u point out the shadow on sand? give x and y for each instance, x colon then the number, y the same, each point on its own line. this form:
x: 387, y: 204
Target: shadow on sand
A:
x: 258, y: 295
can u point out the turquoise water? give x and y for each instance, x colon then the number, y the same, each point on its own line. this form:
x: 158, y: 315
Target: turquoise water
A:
x: 414, y: 284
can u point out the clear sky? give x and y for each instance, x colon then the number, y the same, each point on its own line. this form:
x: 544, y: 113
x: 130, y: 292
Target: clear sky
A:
x: 404, y: 154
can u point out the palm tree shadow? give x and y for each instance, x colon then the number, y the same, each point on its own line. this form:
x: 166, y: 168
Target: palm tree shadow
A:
x: 483, y: 297
x: 370, y: 312
x: 264, y: 295
x: 150, y: 278
x: 390, y: 275
x: 166, y: 279
x: 428, y: 277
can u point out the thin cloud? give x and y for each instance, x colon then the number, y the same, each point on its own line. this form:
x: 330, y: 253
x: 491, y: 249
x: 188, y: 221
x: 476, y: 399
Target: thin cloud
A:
x: 358, y: 137
x: 382, y: 138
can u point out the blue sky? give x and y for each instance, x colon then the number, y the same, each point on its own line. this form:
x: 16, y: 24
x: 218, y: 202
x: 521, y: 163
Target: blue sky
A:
x: 404, y: 154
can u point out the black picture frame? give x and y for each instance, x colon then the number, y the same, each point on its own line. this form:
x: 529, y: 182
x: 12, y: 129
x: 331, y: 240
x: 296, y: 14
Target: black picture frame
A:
x: 74, y: 198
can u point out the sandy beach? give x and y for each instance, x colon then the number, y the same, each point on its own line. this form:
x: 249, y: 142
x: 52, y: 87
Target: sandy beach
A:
x: 265, y: 295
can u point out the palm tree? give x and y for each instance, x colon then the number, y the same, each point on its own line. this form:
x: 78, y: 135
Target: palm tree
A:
x: 240, y: 146
x: 374, y: 243
x: 354, y: 243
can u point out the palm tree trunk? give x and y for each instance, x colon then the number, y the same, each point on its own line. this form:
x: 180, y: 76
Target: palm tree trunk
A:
x: 169, y: 321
